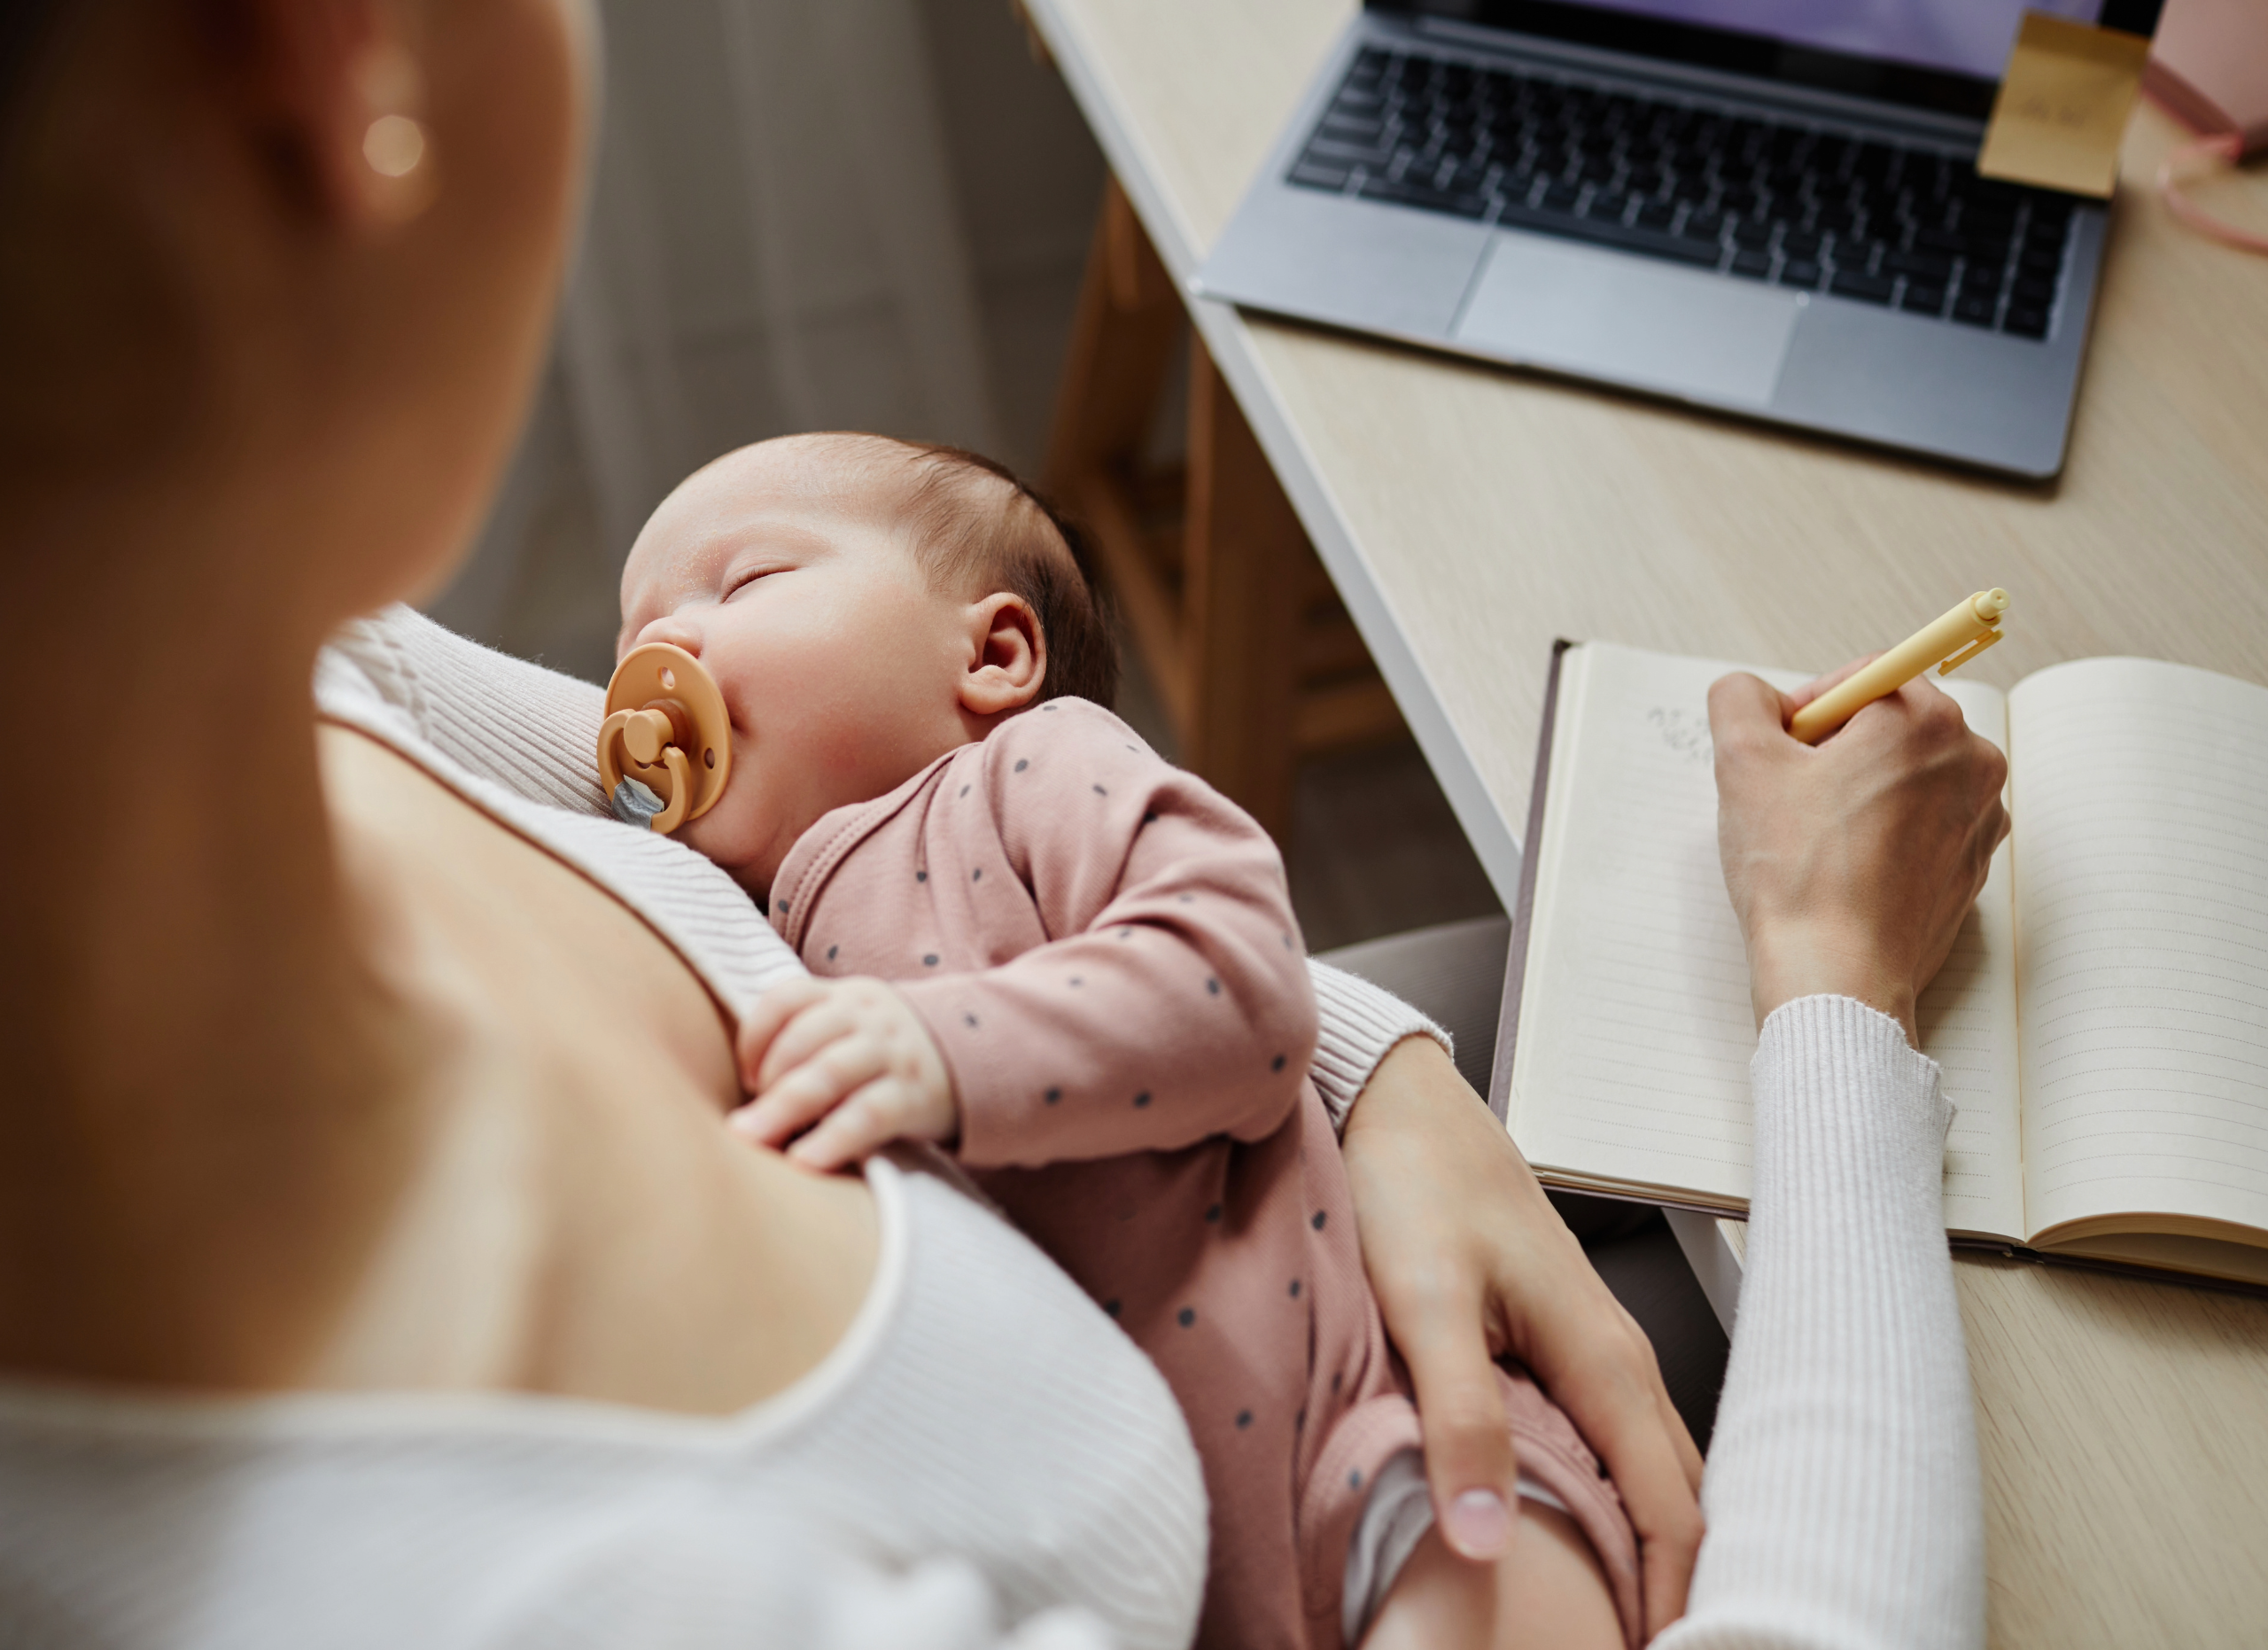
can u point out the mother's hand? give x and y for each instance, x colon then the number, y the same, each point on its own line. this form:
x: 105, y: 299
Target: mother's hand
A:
x: 1851, y: 864
x: 1469, y: 1260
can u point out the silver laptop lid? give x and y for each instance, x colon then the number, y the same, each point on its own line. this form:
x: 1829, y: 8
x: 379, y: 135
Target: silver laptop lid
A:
x: 1940, y: 55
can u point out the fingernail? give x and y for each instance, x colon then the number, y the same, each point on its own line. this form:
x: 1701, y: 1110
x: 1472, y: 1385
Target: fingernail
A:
x: 1478, y: 1525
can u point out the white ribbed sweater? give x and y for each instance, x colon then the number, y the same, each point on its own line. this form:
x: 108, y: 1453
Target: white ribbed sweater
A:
x: 1845, y: 1505
x: 983, y: 1462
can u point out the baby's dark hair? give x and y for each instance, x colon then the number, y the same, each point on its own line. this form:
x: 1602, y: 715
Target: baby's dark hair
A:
x: 978, y: 522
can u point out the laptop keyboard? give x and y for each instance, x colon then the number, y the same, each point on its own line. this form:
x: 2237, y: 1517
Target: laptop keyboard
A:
x: 1747, y: 197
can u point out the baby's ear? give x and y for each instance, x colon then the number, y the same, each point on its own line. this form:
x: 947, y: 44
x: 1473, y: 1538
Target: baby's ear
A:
x: 1008, y: 660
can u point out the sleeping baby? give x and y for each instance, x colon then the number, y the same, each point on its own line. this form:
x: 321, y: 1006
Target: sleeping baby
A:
x: 1072, y: 965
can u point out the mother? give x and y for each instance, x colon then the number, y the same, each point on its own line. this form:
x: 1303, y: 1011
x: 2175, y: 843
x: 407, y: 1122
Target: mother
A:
x: 325, y: 1082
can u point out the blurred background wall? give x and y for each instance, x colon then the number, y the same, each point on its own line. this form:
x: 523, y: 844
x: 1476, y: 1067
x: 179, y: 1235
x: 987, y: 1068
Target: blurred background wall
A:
x: 807, y: 215
x: 867, y: 215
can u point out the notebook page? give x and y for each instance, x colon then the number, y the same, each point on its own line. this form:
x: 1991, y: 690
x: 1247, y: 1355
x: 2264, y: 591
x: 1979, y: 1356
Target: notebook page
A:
x: 1967, y: 1022
x: 2141, y: 809
x: 1636, y: 1029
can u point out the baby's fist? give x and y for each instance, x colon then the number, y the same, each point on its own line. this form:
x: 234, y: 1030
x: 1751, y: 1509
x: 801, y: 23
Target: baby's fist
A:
x: 846, y: 1065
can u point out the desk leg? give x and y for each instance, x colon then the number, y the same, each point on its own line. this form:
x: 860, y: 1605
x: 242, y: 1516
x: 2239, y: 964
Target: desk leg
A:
x: 1250, y: 653
x: 1242, y: 549
x: 1129, y: 324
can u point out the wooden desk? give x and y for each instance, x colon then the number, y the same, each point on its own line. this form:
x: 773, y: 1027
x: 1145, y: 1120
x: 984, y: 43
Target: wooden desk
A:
x: 1468, y: 515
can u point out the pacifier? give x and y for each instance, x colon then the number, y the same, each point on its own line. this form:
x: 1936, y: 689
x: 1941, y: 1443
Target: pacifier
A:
x: 666, y: 730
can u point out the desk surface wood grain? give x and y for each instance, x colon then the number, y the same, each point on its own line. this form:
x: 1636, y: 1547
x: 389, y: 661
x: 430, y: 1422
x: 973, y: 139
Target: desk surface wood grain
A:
x: 1471, y: 515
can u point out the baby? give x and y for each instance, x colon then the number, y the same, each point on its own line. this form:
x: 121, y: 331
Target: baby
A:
x: 1076, y: 969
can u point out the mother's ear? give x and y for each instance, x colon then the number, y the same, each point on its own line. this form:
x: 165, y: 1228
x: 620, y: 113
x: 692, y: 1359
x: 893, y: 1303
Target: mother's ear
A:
x: 1008, y: 656
x: 333, y: 93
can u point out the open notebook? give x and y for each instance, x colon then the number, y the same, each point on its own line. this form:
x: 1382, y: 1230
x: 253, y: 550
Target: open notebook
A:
x: 2103, y: 1021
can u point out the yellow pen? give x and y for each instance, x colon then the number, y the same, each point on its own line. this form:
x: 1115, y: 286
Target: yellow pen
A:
x: 1964, y: 632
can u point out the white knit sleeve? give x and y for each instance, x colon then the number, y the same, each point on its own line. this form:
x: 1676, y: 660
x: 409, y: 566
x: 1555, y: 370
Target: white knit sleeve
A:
x: 534, y: 730
x: 1359, y: 1024
x: 1843, y: 1495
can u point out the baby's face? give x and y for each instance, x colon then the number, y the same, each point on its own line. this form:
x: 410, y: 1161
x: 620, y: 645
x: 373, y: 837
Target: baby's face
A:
x: 786, y: 569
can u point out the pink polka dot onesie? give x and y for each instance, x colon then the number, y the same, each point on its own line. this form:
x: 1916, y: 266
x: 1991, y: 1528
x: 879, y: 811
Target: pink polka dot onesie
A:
x: 1104, y: 949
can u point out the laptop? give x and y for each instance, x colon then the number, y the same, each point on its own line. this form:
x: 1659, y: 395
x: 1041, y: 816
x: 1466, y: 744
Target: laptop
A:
x: 1766, y: 207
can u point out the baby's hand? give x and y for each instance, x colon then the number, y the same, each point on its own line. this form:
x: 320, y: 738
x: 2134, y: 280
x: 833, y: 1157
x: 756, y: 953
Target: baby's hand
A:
x: 850, y: 1062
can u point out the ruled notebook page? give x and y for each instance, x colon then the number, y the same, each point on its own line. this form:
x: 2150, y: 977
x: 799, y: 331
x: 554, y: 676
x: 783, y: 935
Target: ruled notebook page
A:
x: 2141, y: 809
x: 1635, y: 1026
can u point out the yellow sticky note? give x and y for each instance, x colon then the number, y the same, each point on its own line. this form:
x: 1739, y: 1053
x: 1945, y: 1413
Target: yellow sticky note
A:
x: 2063, y: 105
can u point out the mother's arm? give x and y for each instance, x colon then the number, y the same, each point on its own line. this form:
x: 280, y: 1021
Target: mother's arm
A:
x: 1842, y: 1493
x: 1470, y: 1260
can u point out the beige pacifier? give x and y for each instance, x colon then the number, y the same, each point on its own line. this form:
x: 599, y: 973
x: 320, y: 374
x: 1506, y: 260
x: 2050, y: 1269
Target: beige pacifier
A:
x: 667, y: 728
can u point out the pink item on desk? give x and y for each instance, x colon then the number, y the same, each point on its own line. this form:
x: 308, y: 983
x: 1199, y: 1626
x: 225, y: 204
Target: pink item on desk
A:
x: 2209, y: 69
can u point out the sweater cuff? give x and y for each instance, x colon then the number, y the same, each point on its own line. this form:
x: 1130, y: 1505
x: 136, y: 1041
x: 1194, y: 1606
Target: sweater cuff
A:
x: 1359, y: 1026
x: 1838, y: 1045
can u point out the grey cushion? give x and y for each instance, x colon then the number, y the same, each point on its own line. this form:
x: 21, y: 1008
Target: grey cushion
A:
x: 1455, y: 974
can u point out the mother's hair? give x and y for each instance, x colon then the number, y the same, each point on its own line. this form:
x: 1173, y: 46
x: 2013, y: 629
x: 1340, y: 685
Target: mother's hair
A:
x: 208, y: 289
x: 244, y: 395
x: 23, y: 25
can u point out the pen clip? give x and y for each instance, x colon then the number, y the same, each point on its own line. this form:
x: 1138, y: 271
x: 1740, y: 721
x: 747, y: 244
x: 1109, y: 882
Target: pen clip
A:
x: 1968, y: 652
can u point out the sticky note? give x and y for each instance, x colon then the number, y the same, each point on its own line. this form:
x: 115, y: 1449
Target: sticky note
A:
x: 2064, y: 104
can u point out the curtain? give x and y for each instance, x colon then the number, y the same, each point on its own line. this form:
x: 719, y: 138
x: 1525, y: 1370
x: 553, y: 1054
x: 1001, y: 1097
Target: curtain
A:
x: 803, y: 215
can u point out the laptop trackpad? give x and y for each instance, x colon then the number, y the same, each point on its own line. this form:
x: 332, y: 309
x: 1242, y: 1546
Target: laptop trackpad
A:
x: 1626, y: 318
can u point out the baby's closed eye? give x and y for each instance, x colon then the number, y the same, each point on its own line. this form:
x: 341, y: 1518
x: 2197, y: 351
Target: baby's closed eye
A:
x: 746, y: 578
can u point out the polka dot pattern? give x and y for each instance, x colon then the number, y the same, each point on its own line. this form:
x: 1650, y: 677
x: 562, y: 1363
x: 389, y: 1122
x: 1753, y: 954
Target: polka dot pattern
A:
x: 1099, y: 1042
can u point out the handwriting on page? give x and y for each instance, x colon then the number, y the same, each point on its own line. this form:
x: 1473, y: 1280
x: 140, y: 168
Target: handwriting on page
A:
x: 1684, y: 731
x: 1641, y: 1029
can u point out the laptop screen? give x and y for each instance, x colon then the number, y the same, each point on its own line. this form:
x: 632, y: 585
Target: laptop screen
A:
x: 1968, y: 37
x: 1944, y: 54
